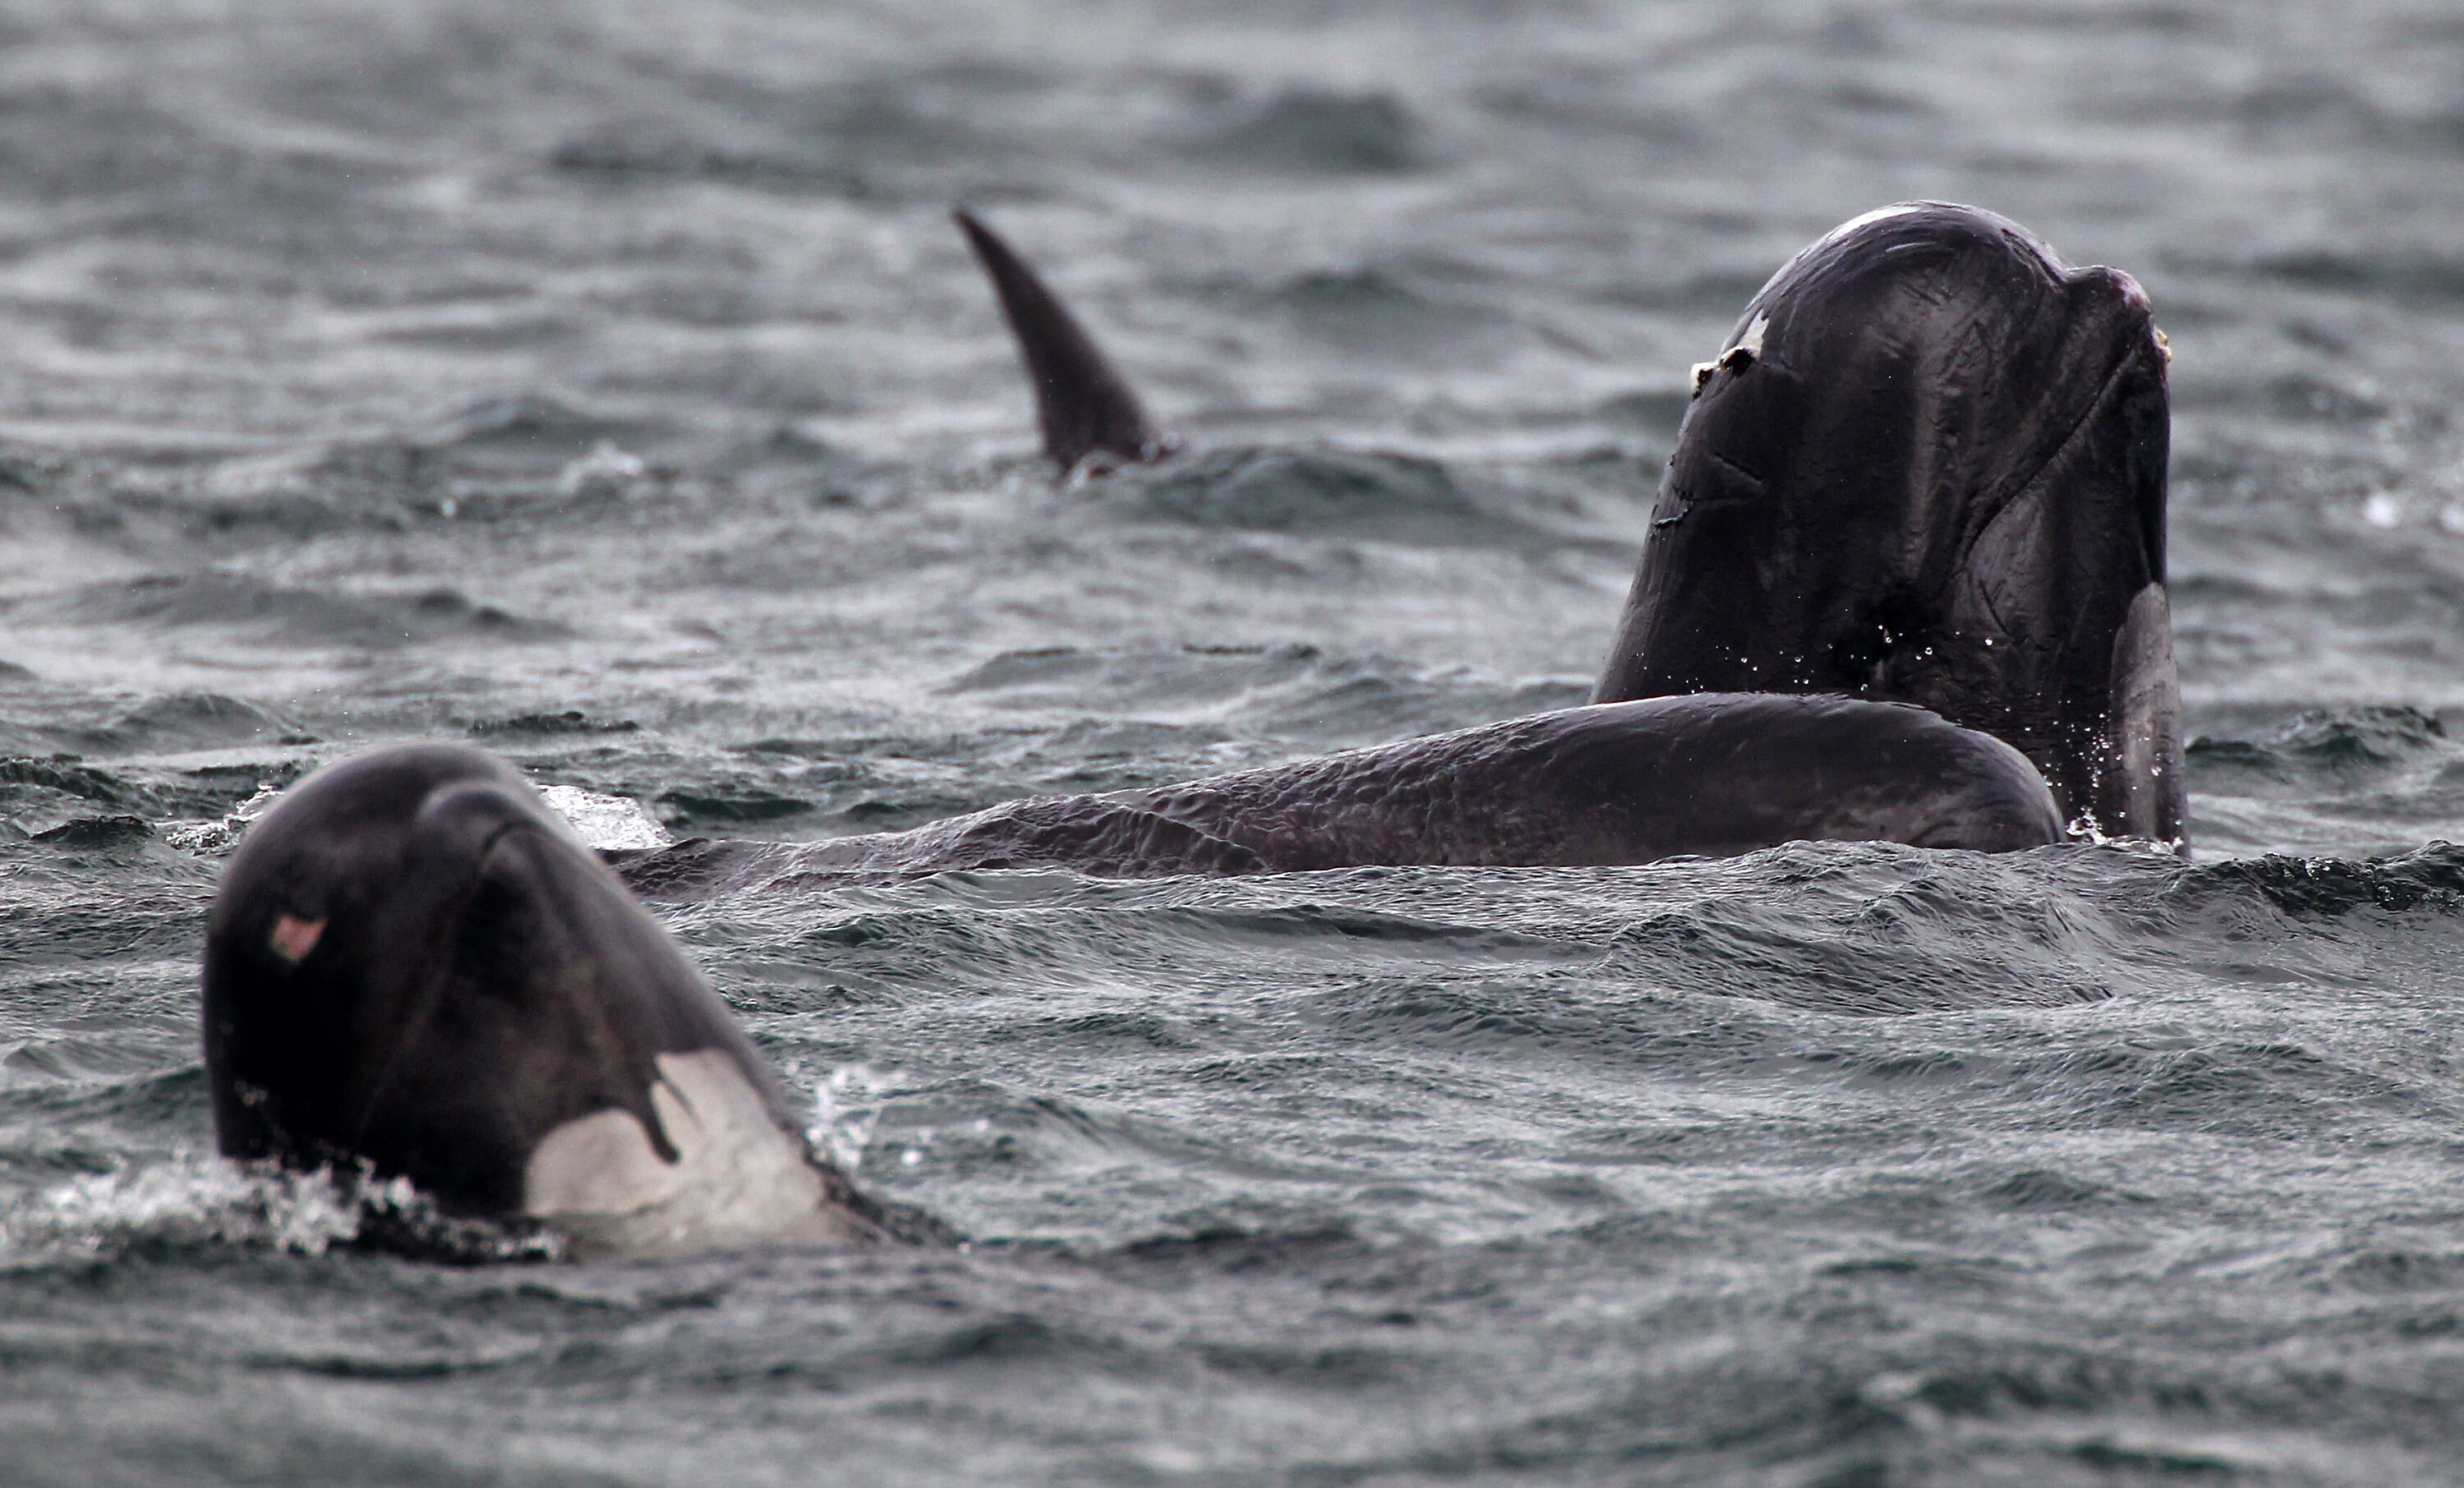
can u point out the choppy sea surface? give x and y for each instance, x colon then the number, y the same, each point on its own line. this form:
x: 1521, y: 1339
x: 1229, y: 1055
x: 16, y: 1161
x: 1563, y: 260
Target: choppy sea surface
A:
x: 605, y: 384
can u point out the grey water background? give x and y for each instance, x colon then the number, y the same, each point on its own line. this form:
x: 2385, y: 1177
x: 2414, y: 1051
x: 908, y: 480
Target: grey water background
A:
x: 605, y: 384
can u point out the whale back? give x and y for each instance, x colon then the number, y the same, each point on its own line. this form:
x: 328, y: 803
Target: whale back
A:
x: 1695, y: 775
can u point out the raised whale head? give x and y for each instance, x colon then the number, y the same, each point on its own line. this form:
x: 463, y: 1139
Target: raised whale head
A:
x: 1928, y: 466
x: 413, y: 965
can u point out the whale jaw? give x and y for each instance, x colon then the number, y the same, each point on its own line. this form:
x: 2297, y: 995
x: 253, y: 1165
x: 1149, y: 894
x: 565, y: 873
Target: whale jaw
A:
x: 736, y: 1179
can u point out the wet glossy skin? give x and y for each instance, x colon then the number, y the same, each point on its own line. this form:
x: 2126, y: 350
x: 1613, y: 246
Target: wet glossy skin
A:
x: 411, y: 961
x: 1930, y: 466
x: 1929, y: 471
x: 1631, y: 782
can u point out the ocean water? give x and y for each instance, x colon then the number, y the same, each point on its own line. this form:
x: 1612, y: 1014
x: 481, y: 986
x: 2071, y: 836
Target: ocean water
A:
x: 605, y: 384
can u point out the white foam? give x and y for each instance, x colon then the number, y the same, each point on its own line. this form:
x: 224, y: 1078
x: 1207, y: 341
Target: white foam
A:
x: 845, y: 1108
x: 606, y: 471
x: 218, y: 836
x: 185, y: 1198
x: 605, y: 823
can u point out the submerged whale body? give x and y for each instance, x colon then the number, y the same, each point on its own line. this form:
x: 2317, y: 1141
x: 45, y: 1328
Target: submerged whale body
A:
x: 1607, y: 784
x: 1927, y: 467
x: 413, y: 967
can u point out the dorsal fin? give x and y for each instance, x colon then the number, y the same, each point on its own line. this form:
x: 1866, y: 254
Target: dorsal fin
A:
x: 1082, y: 403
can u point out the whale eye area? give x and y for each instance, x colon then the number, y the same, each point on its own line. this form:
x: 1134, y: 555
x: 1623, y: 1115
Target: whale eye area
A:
x: 1736, y: 360
x: 292, y: 937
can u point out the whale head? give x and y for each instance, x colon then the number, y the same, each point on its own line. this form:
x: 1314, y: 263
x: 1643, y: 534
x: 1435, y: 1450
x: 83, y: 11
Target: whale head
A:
x: 1928, y: 466
x: 413, y: 969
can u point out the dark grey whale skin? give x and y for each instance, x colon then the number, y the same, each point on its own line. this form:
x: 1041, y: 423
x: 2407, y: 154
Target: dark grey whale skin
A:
x: 1618, y: 783
x: 1082, y: 404
x: 1935, y: 476
x: 480, y: 978
x: 1939, y: 478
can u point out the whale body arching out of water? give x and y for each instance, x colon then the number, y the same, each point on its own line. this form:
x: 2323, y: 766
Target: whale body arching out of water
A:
x: 1927, y: 466
x: 1905, y: 582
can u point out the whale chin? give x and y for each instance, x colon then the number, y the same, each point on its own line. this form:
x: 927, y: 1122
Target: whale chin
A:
x: 736, y: 1179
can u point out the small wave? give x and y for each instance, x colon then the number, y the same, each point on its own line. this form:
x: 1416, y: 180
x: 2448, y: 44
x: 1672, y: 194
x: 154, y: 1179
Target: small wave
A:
x: 274, y: 614
x: 189, y: 721
x: 2372, y: 736
x: 1310, y: 130
x: 2033, y: 1190
x: 1385, y: 312
x: 2412, y: 279
x: 1319, y: 492
x: 731, y: 802
x: 627, y: 151
x: 544, y: 429
x: 572, y: 720
x: 96, y: 832
x: 2430, y: 876
x: 1294, y: 692
x: 65, y: 776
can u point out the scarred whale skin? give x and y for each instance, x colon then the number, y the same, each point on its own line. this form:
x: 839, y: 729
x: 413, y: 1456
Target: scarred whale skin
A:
x: 412, y: 965
x: 1618, y: 783
x: 1928, y: 466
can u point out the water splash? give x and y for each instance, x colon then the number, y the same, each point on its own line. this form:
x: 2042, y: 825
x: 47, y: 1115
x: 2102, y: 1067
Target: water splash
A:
x: 186, y: 1200
x: 846, y: 1106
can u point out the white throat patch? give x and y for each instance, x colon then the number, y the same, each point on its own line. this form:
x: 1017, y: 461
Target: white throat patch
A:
x: 738, y: 1179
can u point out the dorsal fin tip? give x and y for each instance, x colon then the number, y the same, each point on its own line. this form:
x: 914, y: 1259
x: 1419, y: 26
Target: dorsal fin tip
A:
x: 1084, y: 405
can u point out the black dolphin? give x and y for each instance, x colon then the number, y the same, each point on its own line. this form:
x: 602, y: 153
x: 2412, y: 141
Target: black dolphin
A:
x: 1611, y: 784
x: 1927, y: 467
x: 413, y: 964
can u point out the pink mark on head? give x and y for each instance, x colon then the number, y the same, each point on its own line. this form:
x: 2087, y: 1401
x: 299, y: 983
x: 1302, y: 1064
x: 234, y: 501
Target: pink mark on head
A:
x: 293, y: 937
